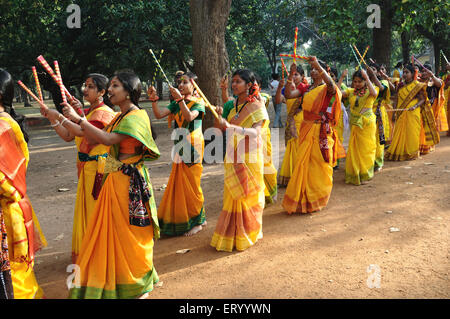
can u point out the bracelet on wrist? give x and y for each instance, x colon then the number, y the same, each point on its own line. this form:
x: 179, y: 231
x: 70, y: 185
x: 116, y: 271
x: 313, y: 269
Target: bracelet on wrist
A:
x: 81, y: 119
x: 178, y: 101
x: 153, y: 101
x: 55, y: 124
x: 64, y: 120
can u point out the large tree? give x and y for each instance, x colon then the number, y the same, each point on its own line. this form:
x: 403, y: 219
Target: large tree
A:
x: 208, y: 23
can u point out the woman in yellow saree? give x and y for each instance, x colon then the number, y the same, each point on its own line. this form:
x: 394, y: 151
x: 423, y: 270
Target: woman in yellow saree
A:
x: 310, y: 185
x: 23, y: 234
x: 116, y: 255
x: 359, y: 163
x: 435, y: 99
x: 240, y: 222
x: 379, y: 109
x: 293, y: 121
x: 181, y: 210
x: 409, y: 118
x: 446, y: 81
x: 90, y: 153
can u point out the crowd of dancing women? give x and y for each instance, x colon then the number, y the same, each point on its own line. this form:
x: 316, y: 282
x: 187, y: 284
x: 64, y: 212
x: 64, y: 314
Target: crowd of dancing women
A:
x: 116, y: 219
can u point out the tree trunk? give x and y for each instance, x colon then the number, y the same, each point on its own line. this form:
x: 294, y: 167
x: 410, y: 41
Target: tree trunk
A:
x: 208, y: 23
x: 406, y: 52
x: 382, y: 36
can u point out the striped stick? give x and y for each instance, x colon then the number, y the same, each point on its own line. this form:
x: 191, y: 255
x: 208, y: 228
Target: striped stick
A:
x: 41, y: 103
x: 359, y: 54
x: 156, y: 69
x: 49, y: 70
x: 362, y: 58
x: 38, y: 86
x: 295, y: 43
x: 211, y: 108
x: 60, y: 82
x: 295, y: 56
x: 354, y: 53
x: 162, y: 71
x: 283, y: 68
x: 442, y: 52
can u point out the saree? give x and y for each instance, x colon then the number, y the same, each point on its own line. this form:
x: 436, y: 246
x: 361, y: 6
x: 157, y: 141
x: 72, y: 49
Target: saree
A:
x: 240, y: 221
x: 88, y: 159
x: 293, y: 122
x: 406, y: 135
x: 181, y: 206
x: 23, y: 232
x: 382, y: 123
x: 6, y: 287
x: 435, y: 102
x: 116, y: 255
x: 359, y: 164
x: 309, y: 188
x: 446, y: 82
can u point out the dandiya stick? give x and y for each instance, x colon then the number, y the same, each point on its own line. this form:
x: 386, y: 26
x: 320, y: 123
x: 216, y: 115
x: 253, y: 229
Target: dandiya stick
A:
x: 38, y: 86
x: 60, y: 83
x: 442, y: 52
x: 213, y: 111
x: 414, y: 58
x: 362, y: 58
x: 296, y: 56
x: 41, y: 103
x: 354, y: 53
x: 295, y: 42
x: 283, y: 68
x: 162, y: 71
x: 156, y: 70
x: 49, y: 70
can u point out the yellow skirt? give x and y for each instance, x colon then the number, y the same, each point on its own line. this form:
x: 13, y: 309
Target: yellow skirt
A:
x: 359, y: 164
x: 290, y: 155
x: 116, y: 258
x: 240, y: 222
x: 309, y: 188
x: 406, y: 137
x: 181, y: 207
x: 24, y: 282
x: 84, y: 205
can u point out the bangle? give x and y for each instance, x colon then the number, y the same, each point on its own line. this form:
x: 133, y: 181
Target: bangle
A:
x: 63, y: 121
x: 153, y: 101
x: 178, y: 101
x: 289, y: 81
x: 81, y: 119
x: 56, y: 124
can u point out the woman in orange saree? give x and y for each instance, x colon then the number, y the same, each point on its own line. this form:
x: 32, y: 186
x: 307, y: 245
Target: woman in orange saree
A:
x: 23, y: 233
x: 90, y: 153
x: 310, y: 185
x: 116, y: 255
x: 240, y: 222
x: 181, y: 210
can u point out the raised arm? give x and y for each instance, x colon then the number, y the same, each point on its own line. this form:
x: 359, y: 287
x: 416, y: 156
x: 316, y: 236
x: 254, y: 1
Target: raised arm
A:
x: 159, y: 113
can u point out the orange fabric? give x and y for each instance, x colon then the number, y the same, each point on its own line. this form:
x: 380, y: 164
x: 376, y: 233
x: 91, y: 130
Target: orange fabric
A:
x: 129, y: 146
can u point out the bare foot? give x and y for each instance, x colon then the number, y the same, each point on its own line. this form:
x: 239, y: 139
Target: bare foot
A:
x: 144, y: 296
x: 194, y: 230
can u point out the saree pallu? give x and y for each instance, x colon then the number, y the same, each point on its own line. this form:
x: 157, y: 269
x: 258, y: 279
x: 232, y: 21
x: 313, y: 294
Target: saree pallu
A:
x: 359, y: 165
x: 446, y: 80
x: 270, y: 173
x: 310, y: 186
x: 383, y: 125
x: 116, y: 258
x: 87, y: 166
x: 406, y: 135
x: 432, y: 120
x: 23, y: 232
x: 240, y: 221
x: 181, y: 206
x: 293, y: 122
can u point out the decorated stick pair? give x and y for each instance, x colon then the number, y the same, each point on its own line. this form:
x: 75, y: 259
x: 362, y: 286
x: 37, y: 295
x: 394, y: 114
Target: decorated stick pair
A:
x: 359, y: 54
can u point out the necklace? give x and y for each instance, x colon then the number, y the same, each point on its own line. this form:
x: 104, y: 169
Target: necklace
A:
x: 236, y: 108
x: 360, y: 92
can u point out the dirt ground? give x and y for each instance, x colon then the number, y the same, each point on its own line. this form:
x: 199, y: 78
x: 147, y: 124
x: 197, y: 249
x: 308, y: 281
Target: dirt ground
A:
x: 344, y: 251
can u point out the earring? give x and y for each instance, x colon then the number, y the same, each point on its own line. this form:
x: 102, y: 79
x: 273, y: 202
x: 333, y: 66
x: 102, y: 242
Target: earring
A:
x: 128, y: 97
